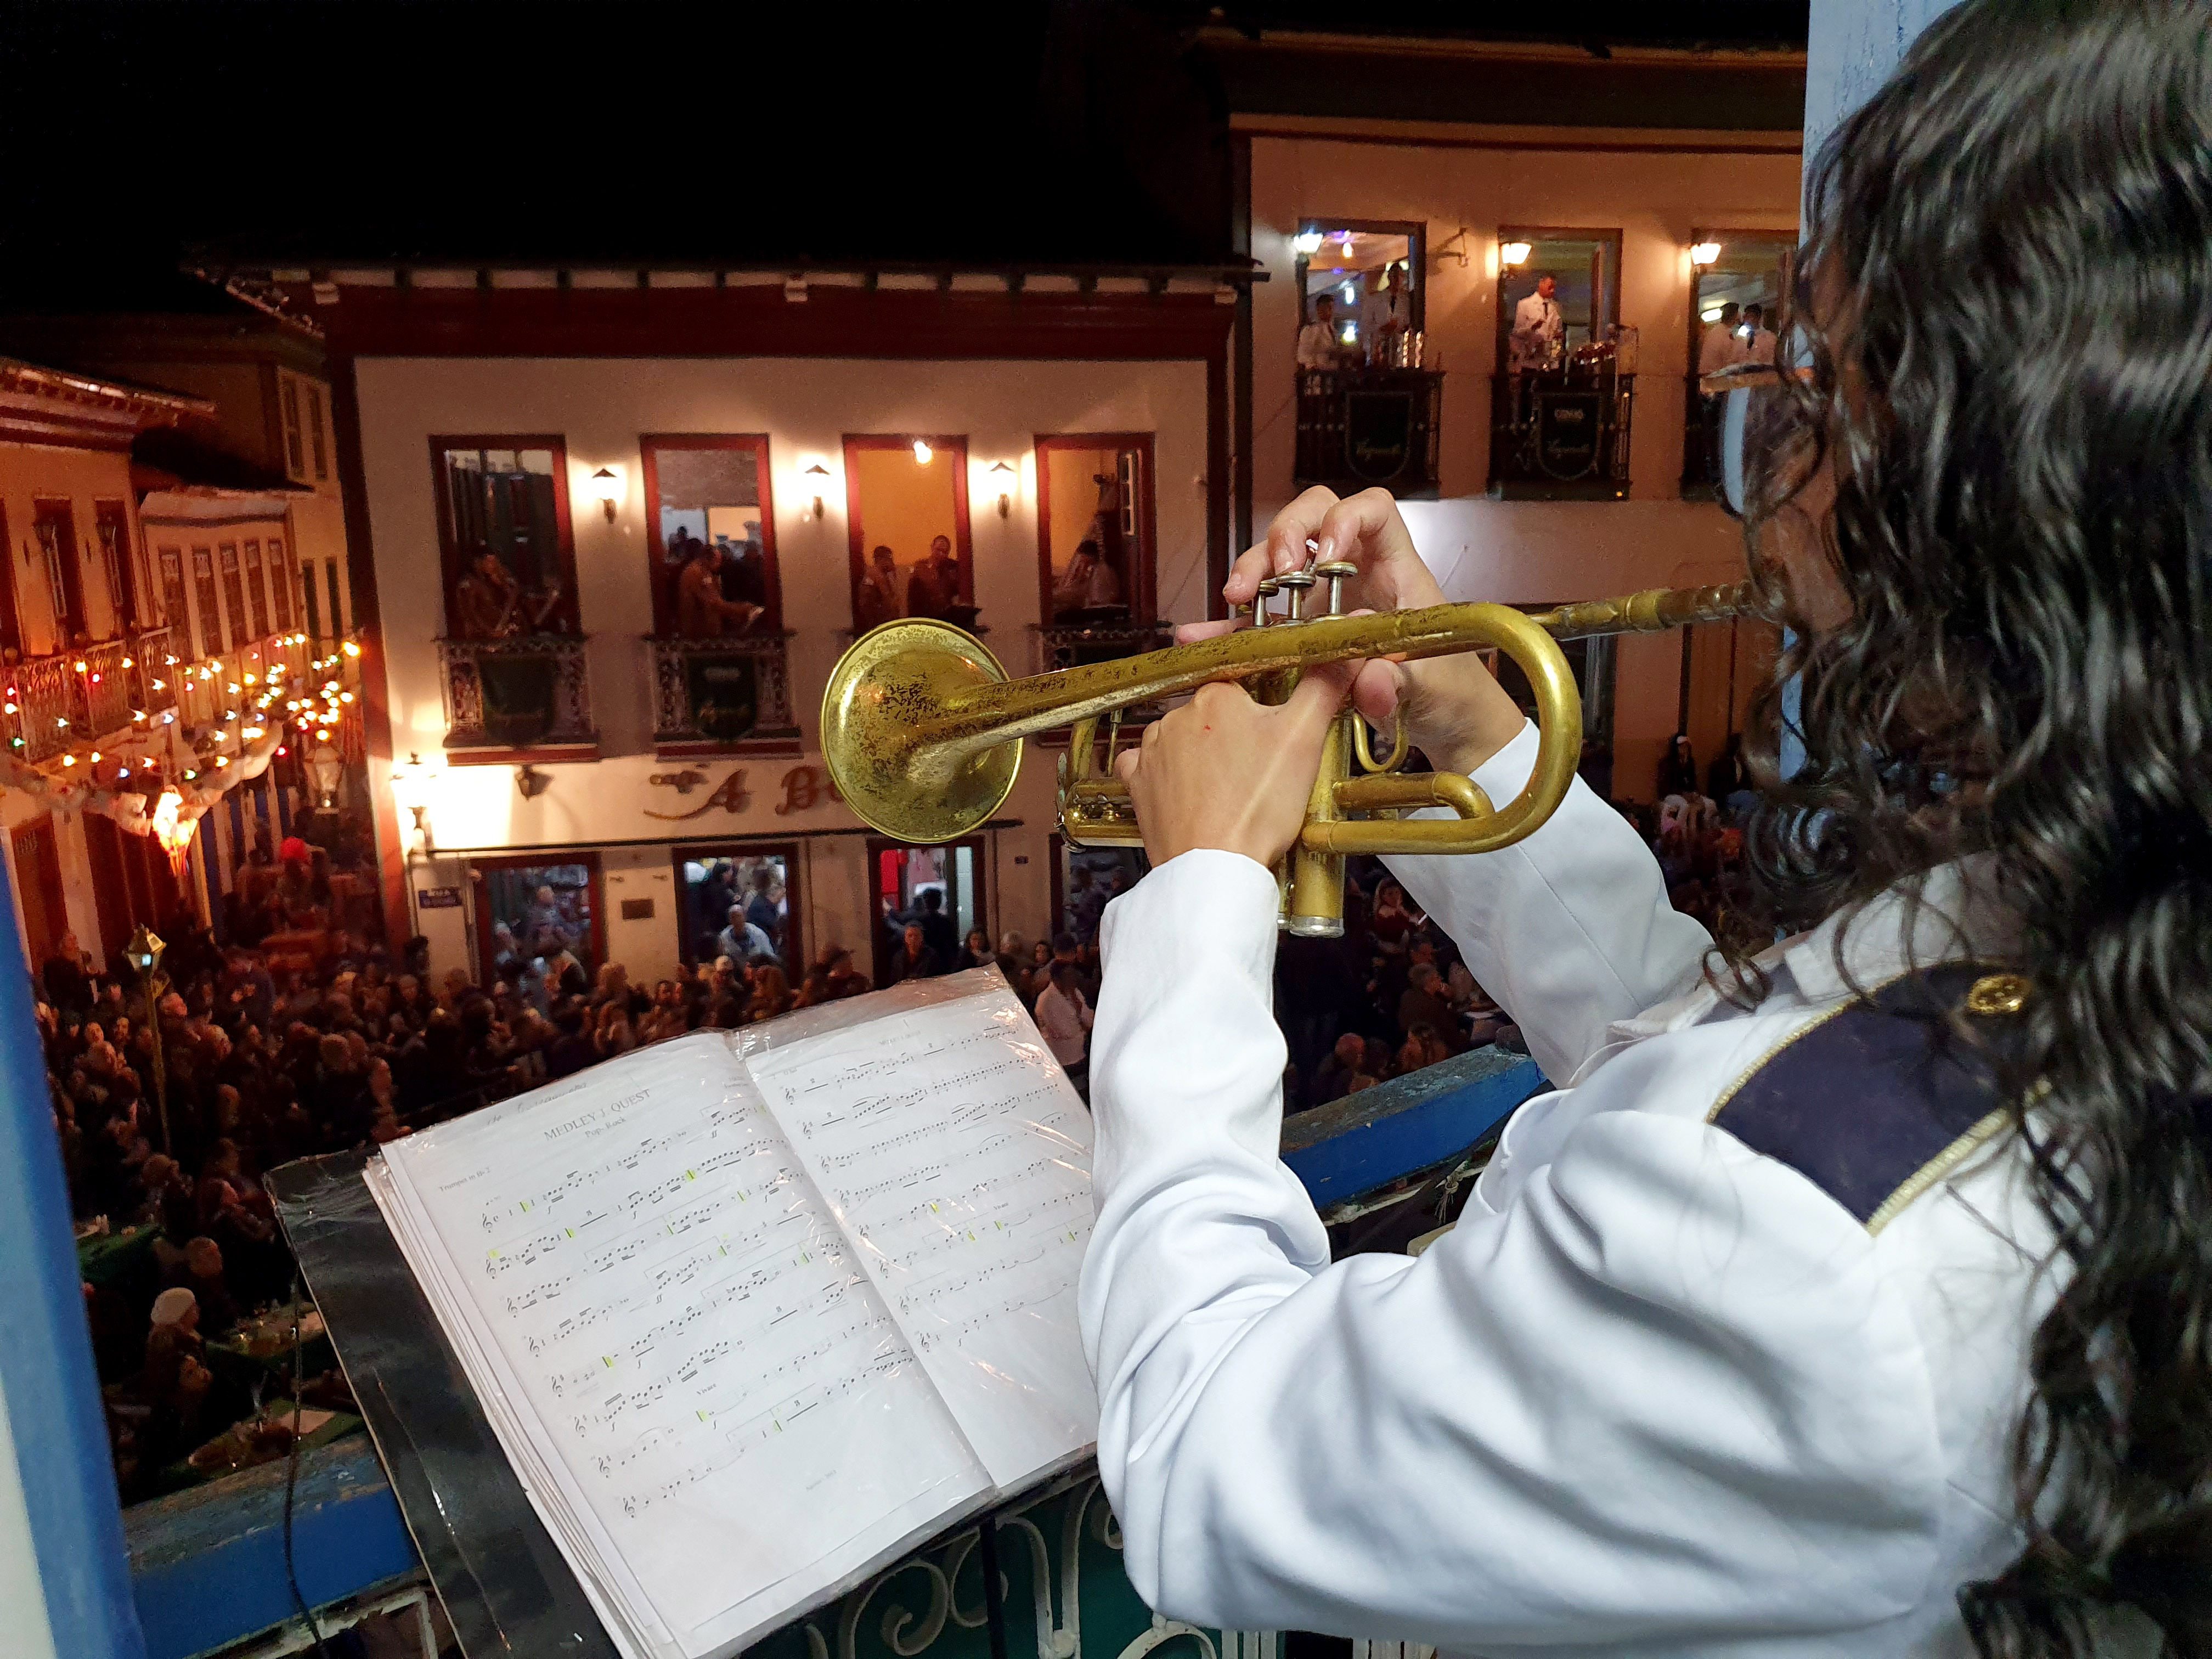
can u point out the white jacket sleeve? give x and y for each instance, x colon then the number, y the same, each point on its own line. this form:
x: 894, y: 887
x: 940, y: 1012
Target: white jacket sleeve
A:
x: 1568, y: 929
x: 1658, y: 1396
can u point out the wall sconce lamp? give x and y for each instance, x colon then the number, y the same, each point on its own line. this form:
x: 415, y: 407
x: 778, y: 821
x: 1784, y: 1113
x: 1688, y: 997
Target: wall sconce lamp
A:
x: 1306, y: 244
x: 410, y: 781
x: 921, y: 452
x: 818, y: 480
x: 1513, y: 255
x: 530, y: 781
x: 607, y: 485
x: 1703, y: 254
x: 1004, y: 477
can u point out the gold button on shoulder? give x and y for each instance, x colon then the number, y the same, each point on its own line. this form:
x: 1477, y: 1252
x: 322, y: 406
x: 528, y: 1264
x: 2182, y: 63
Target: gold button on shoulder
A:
x: 1998, y: 993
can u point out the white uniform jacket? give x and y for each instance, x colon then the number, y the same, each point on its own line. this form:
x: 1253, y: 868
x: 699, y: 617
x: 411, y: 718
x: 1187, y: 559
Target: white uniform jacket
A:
x: 1655, y: 1394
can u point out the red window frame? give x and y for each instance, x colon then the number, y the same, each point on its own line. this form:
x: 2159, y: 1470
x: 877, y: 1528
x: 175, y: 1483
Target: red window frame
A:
x: 650, y: 449
x: 455, y: 559
x: 1141, y: 594
x: 952, y: 446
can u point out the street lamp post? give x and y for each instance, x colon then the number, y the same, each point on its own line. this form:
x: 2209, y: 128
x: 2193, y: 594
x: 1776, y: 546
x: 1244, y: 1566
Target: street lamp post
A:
x: 143, y: 953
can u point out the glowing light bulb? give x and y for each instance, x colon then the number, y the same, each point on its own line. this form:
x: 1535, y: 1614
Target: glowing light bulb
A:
x: 921, y: 456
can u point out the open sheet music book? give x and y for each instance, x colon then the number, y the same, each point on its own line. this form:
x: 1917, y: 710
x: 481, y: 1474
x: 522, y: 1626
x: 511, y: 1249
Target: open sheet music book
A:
x: 754, y: 1312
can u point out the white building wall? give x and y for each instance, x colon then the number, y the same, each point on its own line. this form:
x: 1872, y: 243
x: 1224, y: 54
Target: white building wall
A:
x: 807, y: 406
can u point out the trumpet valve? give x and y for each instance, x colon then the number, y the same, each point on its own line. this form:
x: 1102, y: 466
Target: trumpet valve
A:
x: 1335, y: 573
x: 1295, y: 583
x: 1262, y: 613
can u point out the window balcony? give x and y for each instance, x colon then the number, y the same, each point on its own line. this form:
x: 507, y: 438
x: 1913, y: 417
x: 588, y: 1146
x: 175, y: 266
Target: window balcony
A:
x: 727, y: 695
x: 1360, y: 428
x: 524, y: 698
x: 1561, y: 434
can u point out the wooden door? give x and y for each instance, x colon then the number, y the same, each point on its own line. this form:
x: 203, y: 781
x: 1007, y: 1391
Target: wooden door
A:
x: 39, y: 886
x: 111, y: 889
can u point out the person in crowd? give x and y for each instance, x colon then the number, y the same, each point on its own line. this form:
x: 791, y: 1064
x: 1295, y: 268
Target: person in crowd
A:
x: 1332, y: 1079
x: 875, y: 599
x: 1678, y: 768
x: 1318, y: 345
x: 762, y: 910
x: 67, y: 986
x: 771, y: 990
x: 743, y: 938
x: 1424, y: 1003
x: 1721, y: 347
x: 914, y: 959
x: 1012, y: 960
x: 936, y: 930
x: 1063, y: 1018
x: 1538, y: 329
x: 976, y: 951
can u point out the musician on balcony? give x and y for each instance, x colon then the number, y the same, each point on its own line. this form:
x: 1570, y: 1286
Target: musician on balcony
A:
x: 489, y: 603
x: 1088, y: 583
x: 701, y: 612
x: 1318, y: 347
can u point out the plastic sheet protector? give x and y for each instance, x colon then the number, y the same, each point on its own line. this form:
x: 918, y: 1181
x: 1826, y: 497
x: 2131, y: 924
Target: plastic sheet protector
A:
x: 751, y: 1314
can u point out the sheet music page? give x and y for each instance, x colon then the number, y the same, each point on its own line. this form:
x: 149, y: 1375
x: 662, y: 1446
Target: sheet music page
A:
x: 951, y: 1146
x: 680, y: 1332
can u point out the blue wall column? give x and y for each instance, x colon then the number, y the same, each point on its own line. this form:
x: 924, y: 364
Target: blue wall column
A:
x: 59, y: 1431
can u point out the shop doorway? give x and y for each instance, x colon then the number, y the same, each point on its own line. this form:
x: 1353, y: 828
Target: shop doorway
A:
x: 1086, y: 880
x: 531, y: 906
x: 711, y: 880
x: 904, y: 879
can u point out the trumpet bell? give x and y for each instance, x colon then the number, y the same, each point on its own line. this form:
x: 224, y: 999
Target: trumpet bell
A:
x: 882, y: 694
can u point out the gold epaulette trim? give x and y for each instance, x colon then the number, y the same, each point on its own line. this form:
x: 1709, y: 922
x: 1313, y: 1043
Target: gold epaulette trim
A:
x: 1938, y: 1166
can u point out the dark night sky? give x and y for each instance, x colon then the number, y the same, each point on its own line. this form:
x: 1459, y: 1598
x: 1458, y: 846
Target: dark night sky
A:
x: 1060, y: 129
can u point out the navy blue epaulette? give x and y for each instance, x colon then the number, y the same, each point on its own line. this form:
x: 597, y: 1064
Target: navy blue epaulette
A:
x: 1879, y: 1100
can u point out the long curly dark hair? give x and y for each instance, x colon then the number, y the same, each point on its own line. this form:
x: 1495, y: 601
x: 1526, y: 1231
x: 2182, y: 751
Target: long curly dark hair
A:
x: 2007, y: 296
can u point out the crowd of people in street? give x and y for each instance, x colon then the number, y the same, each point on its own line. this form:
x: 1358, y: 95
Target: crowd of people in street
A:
x: 267, y: 1061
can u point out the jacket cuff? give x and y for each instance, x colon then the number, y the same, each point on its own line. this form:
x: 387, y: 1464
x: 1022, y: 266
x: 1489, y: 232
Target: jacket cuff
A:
x: 1506, y: 772
x: 1202, y: 911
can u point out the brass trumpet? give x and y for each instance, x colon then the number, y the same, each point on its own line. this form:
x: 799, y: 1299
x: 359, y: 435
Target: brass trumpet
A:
x: 922, y: 730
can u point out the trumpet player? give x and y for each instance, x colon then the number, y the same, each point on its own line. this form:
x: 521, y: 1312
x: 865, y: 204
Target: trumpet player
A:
x: 1848, y: 1298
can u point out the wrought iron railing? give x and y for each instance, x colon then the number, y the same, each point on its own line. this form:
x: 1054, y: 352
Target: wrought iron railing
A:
x: 1071, y: 645
x: 530, y: 692
x: 723, y: 691
x: 1562, y: 434
x: 41, y: 707
x: 1363, y: 427
x: 152, y: 683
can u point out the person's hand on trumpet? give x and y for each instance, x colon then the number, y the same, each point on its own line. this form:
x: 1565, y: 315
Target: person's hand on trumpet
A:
x: 1456, y: 712
x: 1224, y: 771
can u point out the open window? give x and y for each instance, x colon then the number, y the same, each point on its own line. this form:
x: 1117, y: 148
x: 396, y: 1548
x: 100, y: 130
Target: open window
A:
x: 514, y: 672
x: 1740, y: 291
x: 1095, y: 529
x: 720, y: 675
x: 1562, y: 398
x: 1370, y: 411
x: 509, y: 561
x: 530, y: 906
x: 1361, y: 290
x: 906, y: 503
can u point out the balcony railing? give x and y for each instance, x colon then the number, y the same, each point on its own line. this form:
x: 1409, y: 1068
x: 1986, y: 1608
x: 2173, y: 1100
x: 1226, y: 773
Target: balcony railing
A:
x: 511, y: 696
x: 86, y: 697
x: 1073, y: 645
x: 728, y: 692
x: 1561, y: 434
x: 1358, y: 428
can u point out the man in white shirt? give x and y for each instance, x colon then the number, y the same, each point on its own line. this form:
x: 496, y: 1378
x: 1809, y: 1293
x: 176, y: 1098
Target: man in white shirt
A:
x: 1537, y: 327
x: 1063, y: 1018
x: 1317, y: 342
x: 1388, y: 310
x: 1721, y: 345
x: 1757, y: 338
